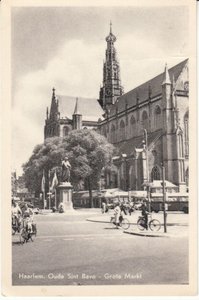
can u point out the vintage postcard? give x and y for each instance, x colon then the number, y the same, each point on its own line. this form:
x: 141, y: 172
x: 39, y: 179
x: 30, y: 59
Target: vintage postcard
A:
x: 99, y: 148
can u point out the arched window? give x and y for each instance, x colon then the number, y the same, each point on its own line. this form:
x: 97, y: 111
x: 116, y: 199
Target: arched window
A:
x: 122, y: 130
x: 157, y: 117
x: 113, y: 134
x: 65, y: 130
x: 186, y: 134
x: 145, y: 120
x: 155, y: 173
x: 132, y: 126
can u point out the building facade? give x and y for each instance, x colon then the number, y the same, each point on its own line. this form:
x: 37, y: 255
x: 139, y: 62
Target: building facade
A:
x: 149, y: 125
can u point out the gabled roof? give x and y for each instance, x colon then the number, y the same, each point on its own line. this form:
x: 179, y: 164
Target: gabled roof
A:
x: 89, y: 108
x: 142, y: 91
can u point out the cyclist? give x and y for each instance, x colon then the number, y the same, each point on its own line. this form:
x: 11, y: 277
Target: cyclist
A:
x: 28, y: 218
x: 16, y: 214
x: 123, y: 208
x: 117, y: 214
x: 145, y: 214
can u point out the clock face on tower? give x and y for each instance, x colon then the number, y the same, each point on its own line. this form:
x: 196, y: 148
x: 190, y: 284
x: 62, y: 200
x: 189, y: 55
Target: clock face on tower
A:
x: 108, y: 92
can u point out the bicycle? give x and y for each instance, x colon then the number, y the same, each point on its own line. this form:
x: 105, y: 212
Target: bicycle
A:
x: 153, y: 224
x: 16, y: 224
x: 123, y: 222
x: 26, y: 233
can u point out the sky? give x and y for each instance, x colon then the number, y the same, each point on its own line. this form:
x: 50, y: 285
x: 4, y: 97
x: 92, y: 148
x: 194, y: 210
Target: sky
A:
x: 65, y: 48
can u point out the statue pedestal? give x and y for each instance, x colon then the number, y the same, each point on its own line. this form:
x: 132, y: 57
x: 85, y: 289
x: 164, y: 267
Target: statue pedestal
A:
x: 65, y: 195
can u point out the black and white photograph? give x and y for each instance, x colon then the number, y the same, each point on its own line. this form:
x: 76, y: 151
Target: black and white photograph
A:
x: 101, y: 189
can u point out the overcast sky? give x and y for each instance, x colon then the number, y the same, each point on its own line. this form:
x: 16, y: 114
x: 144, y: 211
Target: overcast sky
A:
x: 65, y: 47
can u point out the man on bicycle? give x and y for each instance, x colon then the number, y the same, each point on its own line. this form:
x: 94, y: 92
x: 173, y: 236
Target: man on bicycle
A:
x: 117, y: 212
x: 16, y: 213
x: 28, y: 218
x: 145, y: 214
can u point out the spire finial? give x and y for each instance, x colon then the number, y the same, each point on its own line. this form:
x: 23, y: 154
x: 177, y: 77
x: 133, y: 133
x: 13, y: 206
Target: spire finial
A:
x: 53, y: 92
x: 110, y: 27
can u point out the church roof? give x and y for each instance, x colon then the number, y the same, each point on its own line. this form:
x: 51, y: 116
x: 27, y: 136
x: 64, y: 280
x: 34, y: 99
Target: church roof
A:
x: 154, y: 86
x: 128, y: 146
x: 89, y: 108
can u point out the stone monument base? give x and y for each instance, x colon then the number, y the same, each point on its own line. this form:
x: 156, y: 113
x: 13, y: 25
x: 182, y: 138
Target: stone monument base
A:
x: 65, y: 195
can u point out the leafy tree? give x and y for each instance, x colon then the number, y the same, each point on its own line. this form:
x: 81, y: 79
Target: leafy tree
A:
x: 88, y: 153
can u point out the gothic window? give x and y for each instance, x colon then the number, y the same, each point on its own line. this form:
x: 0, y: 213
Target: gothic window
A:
x: 186, y: 134
x: 65, y: 130
x: 145, y: 119
x: 132, y: 126
x: 113, y: 134
x: 155, y: 174
x: 157, y: 117
x: 122, y: 130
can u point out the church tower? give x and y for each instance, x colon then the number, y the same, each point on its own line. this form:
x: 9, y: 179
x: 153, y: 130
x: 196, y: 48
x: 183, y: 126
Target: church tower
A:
x: 111, y: 88
x: 52, y: 120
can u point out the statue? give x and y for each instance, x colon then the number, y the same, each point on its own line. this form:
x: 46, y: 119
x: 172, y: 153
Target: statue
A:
x: 66, y: 166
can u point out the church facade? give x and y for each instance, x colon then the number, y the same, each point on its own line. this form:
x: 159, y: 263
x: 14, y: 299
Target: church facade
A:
x: 148, y: 125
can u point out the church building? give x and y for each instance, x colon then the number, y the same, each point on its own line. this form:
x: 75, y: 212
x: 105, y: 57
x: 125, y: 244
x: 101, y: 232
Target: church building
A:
x: 148, y: 125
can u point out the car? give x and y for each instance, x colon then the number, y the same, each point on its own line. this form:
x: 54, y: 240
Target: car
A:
x: 36, y: 210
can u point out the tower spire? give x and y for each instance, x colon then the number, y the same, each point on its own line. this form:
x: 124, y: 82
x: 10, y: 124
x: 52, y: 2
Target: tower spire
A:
x: 54, y: 106
x: 76, y: 111
x: 111, y: 87
x: 77, y: 117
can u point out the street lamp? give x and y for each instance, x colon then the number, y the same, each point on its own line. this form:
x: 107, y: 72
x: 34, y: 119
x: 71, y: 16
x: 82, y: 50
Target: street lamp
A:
x: 124, y: 157
x: 164, y: 198
x: 145, y: 145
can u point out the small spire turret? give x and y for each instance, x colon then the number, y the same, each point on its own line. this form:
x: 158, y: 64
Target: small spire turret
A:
x: 166, y: 77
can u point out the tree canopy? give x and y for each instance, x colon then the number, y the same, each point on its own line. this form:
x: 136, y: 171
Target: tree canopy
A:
x: 88, y: 153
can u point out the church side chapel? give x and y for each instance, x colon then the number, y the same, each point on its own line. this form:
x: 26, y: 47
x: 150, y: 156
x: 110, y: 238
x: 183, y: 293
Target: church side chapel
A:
x: 148, y: 125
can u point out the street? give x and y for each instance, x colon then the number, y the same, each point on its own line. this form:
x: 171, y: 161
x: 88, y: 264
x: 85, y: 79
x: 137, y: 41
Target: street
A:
x: 70, y: 250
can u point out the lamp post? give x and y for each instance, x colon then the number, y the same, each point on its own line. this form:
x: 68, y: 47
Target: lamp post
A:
x: 164, y: 198
x: 145, y: 144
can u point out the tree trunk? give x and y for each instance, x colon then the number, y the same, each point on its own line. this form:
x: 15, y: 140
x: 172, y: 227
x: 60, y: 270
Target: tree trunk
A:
x: 90, y: 193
